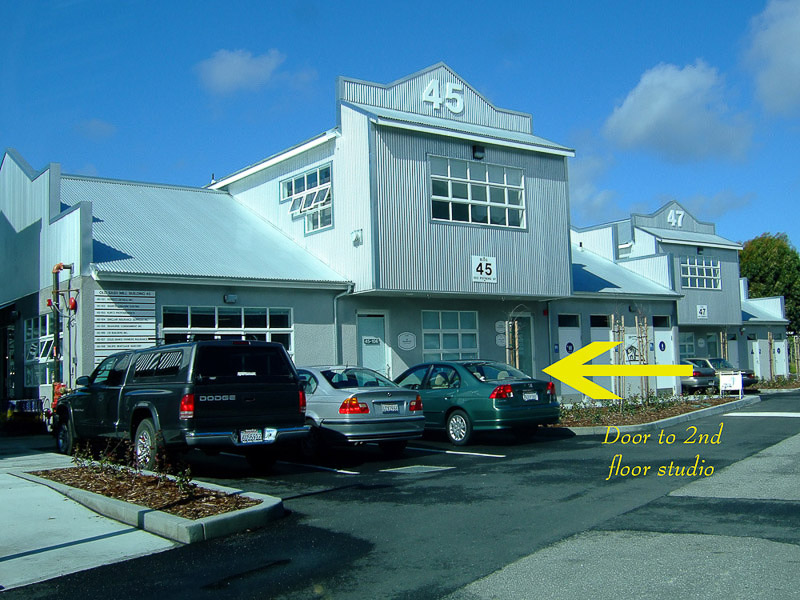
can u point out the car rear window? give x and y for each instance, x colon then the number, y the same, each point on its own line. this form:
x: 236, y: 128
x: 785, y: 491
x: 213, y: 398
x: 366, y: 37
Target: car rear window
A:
x: 242, y: 363
x: 355, y: 378
x: 490, y: 371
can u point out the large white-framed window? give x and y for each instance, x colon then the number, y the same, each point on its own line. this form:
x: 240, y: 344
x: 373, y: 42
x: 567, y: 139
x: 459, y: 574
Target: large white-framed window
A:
x: 467, y: 191
x: 311, y: 197
x: 449, y: 334
x: 190, y: 323
x: 701, y: 273
x: 686, y: 341
x: 39, y: 340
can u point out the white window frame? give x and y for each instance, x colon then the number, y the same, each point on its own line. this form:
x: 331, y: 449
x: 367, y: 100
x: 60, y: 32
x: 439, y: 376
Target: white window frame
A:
x: 472, y: 183
x: 701, y: 273
x: 268, y: 333
x: 442, y: 353
x: 39, y: 340
x: 686, y: 344
x: 310, y: 197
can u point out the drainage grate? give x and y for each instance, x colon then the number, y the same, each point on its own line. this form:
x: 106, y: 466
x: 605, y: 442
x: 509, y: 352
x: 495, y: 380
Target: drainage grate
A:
x: 416, y: 469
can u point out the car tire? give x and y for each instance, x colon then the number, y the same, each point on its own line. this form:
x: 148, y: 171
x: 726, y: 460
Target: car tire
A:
x: 261, y: 459
x: 313, y: 444
x: 393, y: 448
x: 66, y: 441
x: 458, y: 428
x: 146, y: 447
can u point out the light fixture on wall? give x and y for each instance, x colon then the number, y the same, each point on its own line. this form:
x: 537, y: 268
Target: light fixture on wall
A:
x: 478, y: 152
x: 230, y: 298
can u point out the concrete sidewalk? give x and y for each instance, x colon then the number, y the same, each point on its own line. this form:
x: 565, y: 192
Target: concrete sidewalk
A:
x: 43, y: 534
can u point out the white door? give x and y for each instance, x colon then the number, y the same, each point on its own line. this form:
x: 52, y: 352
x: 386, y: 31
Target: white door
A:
x: 780, y: 358
x: 602, y: 334
x: 372, y: 344
x: 664, y: 347
x: 569, y: 340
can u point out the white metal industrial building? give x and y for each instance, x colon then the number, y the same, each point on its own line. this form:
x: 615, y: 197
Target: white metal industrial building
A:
x: 427, y: 223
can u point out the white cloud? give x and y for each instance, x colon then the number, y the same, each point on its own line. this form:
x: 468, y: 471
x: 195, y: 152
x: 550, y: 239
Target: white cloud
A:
x: 590, y: 205
x: 774, y: 56
x: 229, y: 71
x: 96, y: 129
x: 679, y: 114
x: 711, y: 208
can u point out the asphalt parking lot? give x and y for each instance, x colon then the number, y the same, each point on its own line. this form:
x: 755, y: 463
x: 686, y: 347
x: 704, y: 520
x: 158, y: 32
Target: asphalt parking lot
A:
x: 503, y: 518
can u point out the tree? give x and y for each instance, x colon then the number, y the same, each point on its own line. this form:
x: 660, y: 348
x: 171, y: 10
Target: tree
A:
x: 772, y: 267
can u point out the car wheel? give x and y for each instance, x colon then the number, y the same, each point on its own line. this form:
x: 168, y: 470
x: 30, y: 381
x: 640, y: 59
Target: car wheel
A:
x: 65, y: 437
x: 146, y: 446
x: 261, y: 459
x: 393, y: 448
x: 313, y: 444
x: 459, y: 428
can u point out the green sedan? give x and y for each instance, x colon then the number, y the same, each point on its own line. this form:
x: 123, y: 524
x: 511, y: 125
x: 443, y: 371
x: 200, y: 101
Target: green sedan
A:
x: 464, y: 396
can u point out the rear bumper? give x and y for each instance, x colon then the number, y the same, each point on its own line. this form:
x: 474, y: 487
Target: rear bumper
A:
x: 694, y: 383
x: 372, y: 430
x: 230, y: 438
x: 518, y: 416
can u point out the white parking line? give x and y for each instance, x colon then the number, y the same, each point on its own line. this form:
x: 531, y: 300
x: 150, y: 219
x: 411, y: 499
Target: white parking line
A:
x: 319, y: 467
x: 764, y: 414
x: 457, y: 452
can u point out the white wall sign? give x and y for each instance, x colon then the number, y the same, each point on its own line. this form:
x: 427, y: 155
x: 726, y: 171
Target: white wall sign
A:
x: 500, y: 340
x: 123, y: 320
x: 484, y: 269
x: 406, y: 341
x: 500, y: 326
x: 702, y: 311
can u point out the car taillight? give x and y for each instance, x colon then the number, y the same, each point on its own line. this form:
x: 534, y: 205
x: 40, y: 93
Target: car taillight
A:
x: 696, y: 374
x: 302, y: 402
x: 416, y: 404
x: 187, y: 406
x: 352, y: 406
x: 551, y: 388
x: 501, y: 392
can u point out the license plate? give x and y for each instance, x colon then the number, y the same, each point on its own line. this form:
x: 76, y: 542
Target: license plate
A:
x: 390, y: 408
x: 250, y: 436
x: 530, y: 396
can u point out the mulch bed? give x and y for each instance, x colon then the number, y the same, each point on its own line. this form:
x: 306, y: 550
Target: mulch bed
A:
x: 158, y: 493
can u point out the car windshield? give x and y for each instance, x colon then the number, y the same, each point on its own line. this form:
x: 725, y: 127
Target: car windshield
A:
x: 492, y: 371
x: 355, y: 378
x: 720, y: 363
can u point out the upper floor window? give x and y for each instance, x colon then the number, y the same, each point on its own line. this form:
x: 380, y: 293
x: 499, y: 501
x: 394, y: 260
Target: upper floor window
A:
x: 311, y: 197
x: 467, y: 191
x: 700, y: 273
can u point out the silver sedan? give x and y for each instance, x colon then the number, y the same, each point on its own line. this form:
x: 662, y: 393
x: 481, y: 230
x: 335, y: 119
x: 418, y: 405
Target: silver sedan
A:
x: 357, y: 405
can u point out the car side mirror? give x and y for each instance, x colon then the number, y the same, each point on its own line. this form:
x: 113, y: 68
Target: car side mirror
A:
x: 83, y: 381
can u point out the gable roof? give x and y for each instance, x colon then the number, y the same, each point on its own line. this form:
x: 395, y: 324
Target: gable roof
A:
x: 691, y: 238
x: 597, y: 276
x: 172, y: 231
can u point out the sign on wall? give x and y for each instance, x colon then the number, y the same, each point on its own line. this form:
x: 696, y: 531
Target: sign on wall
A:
x: 406, y: 341
x: 123, y: 320
x: 702, y: 311
x: 484, y: 269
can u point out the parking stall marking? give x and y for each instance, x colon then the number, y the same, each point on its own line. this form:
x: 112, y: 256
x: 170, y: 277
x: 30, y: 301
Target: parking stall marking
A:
x: 342, y: 471
x: 457, y: 452
x: 766, y: 414
x: 417, y: 469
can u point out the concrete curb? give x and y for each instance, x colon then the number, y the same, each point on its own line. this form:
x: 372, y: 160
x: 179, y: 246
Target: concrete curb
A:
x: 669, y: 421
x: 173, y: 527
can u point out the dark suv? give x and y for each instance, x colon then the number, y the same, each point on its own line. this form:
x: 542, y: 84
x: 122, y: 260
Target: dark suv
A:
x: 214, y: 395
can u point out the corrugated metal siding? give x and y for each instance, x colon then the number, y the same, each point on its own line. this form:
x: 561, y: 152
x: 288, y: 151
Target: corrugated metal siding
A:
x: 61, y: 243
x: 406, y: 95
x: 350, y: 175
x: 654, y: 268
x: 724, y: 306
x: 644, y: 244
x: 659, y: 219
x: 22, y: 201
x: 599, y: 241
x: 415, y: 253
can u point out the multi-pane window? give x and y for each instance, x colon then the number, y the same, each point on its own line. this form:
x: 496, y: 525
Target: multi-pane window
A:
x: 39, y: 361
x: 468, y: 191
x: 702, y: 273
x: 311, y: 197
x: 686, y: 340
x: 449, y: 334
x: 189, y: 323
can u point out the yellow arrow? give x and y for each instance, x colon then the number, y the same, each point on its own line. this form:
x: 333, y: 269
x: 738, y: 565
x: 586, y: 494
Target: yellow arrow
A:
x: 573, y: 371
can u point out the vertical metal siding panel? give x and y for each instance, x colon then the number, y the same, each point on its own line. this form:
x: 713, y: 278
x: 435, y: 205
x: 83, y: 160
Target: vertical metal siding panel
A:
x: 654, y: 268
x: 419, y: 254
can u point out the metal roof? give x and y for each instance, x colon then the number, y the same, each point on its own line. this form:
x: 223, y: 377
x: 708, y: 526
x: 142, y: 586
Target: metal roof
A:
x: 754, y: 312
x: 162, y: 230
x: 691, y: 238
x: 593, y: 274
x: 425, y: 123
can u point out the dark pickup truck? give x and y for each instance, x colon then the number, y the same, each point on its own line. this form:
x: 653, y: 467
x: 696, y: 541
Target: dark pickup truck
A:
x: 237, y: 395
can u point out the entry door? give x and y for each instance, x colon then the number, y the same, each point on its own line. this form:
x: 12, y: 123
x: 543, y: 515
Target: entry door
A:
x: 520, y: 331
x: 755, y: 358
x: 372, y: 343
x: 569, y: 340
x: 602, y: 334
x: 664, y: 346
x: 780, y: 360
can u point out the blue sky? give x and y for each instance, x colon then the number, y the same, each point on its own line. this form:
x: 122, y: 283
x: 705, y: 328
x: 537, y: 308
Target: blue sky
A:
x: 697, y: 101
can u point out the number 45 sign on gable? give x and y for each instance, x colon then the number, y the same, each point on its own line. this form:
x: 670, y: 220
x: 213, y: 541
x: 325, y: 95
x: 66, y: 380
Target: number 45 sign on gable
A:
x: 484, y: 269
